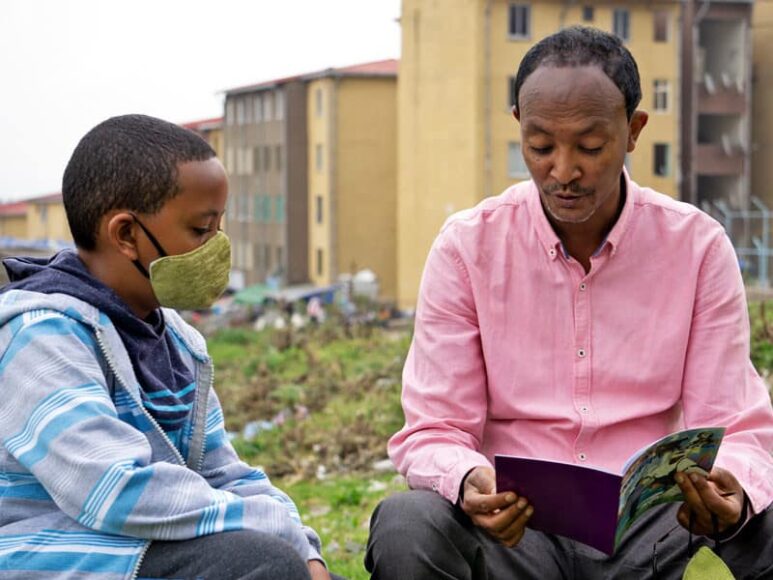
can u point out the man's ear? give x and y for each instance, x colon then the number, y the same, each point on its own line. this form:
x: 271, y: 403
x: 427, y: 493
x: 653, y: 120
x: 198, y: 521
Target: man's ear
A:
x: 516, y: 114
x: 121, y: 234
x: 638, y: 121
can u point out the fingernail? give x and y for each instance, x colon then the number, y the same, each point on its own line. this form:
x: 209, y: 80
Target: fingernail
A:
x: 679, y: 478
x: 510, y: 498
x: 694, y: 477
x: 521, y: 503
x: 529, y: 511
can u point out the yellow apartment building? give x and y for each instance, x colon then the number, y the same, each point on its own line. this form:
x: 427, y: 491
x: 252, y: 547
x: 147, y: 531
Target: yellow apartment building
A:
x: 352, y: 172
x: 46, y: 219
x: 458, y: 141
x: 13, y: 220
x: 762, y: 136
x: 211, y: 130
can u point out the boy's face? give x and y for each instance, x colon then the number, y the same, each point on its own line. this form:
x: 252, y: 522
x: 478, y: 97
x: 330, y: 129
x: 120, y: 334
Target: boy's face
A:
x: 186, y: 221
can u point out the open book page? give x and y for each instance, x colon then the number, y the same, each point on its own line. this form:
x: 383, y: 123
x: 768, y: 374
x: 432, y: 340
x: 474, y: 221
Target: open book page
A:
x: 649, y: 476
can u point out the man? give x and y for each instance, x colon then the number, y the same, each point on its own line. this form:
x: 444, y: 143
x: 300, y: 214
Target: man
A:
x: 576, y: 317
x: 114, y: 461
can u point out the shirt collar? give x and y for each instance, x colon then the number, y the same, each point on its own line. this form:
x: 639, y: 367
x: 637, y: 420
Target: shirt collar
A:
x: 550, y: 241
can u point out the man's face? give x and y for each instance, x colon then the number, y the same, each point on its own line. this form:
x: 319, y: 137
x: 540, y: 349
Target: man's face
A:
x: 574, y: 137
x: 190, y: 218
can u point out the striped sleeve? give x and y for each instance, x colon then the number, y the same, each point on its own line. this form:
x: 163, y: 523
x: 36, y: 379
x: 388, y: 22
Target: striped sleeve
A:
x: 224, y: 470
x: 63, y: 428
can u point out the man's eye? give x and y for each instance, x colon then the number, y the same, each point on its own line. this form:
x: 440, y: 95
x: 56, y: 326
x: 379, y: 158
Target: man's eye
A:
x: 201, y: 231
x: 591, y: 150
x: 540, y: 150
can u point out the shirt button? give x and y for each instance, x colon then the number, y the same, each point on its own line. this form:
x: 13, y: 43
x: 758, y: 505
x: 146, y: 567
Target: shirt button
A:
x: 583, y: 286
x: 582, y: 456
x: 434, y: 487
x: 581, y: 352
x: 583, y: 409
x: 552, y: 252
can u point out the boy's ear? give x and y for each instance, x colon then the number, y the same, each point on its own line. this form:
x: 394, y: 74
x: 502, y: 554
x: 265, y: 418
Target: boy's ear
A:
x: 121, y: 229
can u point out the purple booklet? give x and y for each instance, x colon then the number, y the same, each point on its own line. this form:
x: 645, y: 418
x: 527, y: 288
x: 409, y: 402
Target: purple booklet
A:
x: 596, y: 507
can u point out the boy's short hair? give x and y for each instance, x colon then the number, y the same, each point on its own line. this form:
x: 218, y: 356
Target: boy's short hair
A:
x: 127, y: 162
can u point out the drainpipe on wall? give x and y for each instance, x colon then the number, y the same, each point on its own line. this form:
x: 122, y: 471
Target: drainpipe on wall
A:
x: 487, y: 185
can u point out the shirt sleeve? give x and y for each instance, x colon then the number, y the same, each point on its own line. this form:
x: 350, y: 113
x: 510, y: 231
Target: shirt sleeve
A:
x: 444, y: 380
x: 64, y: 428
x: 720, y: 386
x: 223, y: 469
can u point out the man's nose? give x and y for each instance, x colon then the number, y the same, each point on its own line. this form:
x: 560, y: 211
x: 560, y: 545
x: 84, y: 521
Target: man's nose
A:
x: 565, y: 169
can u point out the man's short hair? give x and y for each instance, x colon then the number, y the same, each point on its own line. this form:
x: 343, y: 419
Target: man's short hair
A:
x: 584, y: 46
x: 127, y: 162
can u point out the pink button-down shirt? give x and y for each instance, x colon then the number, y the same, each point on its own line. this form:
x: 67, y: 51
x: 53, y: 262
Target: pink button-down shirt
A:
x: 517, y: 350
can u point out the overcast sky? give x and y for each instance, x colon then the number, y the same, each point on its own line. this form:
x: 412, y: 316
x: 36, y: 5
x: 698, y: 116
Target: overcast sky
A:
x: 66, y: 65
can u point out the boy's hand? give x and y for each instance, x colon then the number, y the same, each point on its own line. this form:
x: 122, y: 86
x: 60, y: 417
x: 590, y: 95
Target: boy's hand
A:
x: 502, y: 515
x: 720, y: 494
x: 318, y: 571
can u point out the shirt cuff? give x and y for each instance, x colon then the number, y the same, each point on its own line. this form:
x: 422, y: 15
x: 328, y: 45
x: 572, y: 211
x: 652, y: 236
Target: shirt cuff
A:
x: 450, y: 484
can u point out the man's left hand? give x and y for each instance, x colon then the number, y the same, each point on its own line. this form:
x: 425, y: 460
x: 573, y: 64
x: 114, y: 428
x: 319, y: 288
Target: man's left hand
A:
x: 720, y: 493
x: 318, y: 571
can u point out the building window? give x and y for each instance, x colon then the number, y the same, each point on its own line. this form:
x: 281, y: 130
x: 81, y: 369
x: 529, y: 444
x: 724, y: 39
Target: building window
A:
x: 661, y: 160
x: 268, y: 108
x: 516, y: 166
x: 318, y: 157
x: 247, y: 110
x: 279, y: 106
x: 318, y: 101
x: 258, y: 106
x: 519, y: 25
x: 660, y: 24
x: 278, y: 157
x: 267, y: 158
x: 511, y: 92
x: 587, y: 13
x: 318, y: 209
x: 229, y: 160
x: 240, y: 112
x: 267, y: 208
x: 279, y: 258
x: 257, y: 208
x: 660, y: 93
x: 256, y: 159
x: 320, y: 257
x: 267, y: 257
x: 229, y: 112
x: 621, y: 24
x: 279, y: 209
x: 249, y: 164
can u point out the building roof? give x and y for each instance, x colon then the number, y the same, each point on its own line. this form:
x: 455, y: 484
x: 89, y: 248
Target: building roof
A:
x: 18, y: 208
x: 46, y: 199
x: 204, y: 124
x: 379, y: 68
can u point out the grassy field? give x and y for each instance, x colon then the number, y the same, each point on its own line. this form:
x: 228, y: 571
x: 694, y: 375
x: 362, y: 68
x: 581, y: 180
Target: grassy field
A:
x: 330, y: 398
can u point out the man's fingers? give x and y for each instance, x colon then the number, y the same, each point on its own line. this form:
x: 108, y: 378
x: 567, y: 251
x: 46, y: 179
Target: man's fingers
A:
x: 513, y: 534
x: 478, y: 503
x: 497, y: 522
x: 704, y: 498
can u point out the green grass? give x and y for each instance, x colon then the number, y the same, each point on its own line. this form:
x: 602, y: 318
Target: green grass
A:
x: 339, y: 510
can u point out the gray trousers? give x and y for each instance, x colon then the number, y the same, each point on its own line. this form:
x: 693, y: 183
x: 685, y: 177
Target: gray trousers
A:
x: 420, y: 535
x: 245, y: 555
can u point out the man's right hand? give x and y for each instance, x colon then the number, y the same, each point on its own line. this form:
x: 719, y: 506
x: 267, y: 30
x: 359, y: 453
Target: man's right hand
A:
x: 503, y: 515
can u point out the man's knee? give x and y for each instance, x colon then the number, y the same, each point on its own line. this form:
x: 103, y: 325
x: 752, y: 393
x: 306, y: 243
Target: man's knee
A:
x: 413, y: 513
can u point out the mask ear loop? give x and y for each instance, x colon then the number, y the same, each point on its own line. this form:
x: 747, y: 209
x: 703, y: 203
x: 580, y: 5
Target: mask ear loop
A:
x: 153, y: 241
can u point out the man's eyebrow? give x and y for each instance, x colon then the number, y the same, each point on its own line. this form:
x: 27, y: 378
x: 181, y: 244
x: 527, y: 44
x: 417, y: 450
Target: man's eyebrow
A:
x: 535, y: 127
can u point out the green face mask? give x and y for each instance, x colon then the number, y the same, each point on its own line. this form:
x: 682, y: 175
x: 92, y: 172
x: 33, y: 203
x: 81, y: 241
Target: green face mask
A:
x: 190, y: 281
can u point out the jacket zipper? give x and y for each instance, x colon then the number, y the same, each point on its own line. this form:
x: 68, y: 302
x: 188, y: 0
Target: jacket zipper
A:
x: 137, y: 567
x: 200, y: 462
x: 109, y: 360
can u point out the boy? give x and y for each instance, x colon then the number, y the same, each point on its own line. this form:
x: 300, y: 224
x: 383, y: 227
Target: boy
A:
x: 114, y: 458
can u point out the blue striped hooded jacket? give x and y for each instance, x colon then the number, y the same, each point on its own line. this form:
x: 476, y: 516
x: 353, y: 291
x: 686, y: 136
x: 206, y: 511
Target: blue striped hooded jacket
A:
x: 87, y: 478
